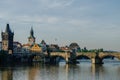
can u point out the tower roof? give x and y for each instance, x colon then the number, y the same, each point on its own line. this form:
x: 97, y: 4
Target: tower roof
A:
x: 31, y: 32
x: 8, y: 30
x: 31, y: 38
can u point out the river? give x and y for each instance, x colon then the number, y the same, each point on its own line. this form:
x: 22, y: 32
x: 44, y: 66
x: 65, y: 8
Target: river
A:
x: 110, y: 70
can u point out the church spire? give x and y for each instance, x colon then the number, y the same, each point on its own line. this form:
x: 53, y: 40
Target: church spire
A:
x: 32, y: 32
x: 31, y: 38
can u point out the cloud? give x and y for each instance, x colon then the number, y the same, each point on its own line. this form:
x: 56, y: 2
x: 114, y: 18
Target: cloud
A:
x: 33, y: 19
x: 78, y: 22
x: 37, y: 11
x: 55, y: 3
x: 52, y: 20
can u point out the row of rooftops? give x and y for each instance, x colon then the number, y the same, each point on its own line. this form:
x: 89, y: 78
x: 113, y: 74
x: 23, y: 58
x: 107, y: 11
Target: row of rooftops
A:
x: 16, y: 43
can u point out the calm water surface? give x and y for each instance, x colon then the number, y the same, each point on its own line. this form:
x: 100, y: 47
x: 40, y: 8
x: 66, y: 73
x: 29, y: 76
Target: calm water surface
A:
x: 110, y: 70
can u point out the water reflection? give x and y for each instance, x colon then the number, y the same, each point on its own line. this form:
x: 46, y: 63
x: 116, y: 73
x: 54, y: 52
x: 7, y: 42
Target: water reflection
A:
x: 6, y: 74
x: 97, y: 71
x: 82, y: 71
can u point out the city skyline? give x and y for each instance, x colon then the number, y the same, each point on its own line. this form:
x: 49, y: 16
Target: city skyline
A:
x: 91, y: 24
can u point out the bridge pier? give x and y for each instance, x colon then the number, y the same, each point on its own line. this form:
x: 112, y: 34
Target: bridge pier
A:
x: 71, y: 58
x: 67, y: 58
x: 96, y: 60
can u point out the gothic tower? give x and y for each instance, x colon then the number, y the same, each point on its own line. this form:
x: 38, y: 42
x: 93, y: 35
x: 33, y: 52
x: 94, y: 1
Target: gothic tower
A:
x: 31, y: 38
x: 7, y: 40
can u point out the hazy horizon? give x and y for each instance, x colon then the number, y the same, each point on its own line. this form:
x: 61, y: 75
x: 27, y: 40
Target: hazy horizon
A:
x: 90, y: 23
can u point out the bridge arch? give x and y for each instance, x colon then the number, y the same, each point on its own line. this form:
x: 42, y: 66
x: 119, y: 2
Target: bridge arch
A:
x: 82, y: 57
x: 110, y: 56
x: 56, y: 59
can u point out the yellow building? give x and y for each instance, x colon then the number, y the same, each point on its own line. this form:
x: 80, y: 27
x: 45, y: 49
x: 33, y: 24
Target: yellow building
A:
x: 36, y: 48
x: 31, y: 46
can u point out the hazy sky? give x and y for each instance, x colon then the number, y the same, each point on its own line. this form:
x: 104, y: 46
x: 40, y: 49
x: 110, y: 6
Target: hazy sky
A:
x: 90, y: 23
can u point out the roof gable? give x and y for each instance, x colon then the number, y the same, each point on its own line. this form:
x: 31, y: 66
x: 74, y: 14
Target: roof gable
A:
x: 36, y: 47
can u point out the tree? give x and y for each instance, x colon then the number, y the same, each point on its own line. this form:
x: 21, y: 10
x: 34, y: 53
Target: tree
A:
x: 74, y: 46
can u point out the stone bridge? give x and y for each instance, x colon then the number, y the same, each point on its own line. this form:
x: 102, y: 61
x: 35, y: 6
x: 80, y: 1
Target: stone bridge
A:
x: 96, y: 58
x: 54, y: 57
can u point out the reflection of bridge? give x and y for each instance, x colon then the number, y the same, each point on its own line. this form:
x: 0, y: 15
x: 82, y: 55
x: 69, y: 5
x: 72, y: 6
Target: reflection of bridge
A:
x: 94, y: 57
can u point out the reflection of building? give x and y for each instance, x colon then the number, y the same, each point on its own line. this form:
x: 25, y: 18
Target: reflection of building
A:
x: 7, y: 74
x: 33, y: 72
x: 7, y: 39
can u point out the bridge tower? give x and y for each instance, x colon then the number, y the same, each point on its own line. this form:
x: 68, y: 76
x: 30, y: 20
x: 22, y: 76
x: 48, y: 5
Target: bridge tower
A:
x: 7, y: 40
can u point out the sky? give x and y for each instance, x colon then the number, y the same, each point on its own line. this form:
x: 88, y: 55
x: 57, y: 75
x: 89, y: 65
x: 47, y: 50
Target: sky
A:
x: 90, y: 23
